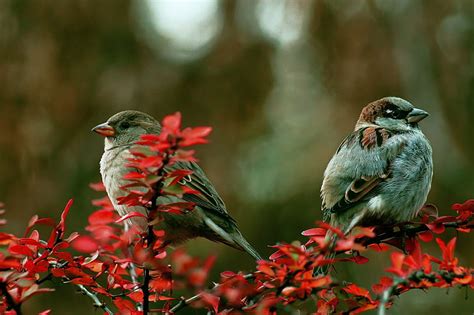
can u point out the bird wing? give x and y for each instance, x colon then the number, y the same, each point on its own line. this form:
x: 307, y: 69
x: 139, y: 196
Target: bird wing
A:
x: 208, y: 198
x: 209, y: 201
x: 359, y: 190
x: 358, y: 170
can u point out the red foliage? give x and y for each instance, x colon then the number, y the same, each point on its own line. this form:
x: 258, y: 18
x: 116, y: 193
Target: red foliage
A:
x: 131, y: 271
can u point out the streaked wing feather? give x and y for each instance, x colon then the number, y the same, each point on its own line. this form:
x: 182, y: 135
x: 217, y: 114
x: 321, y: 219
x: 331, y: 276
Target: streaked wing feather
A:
x: 208, y: 198
x: 360, y: 190
x: 364, y: 187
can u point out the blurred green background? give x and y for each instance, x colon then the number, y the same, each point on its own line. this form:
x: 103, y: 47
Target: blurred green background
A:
x: 281, y: 82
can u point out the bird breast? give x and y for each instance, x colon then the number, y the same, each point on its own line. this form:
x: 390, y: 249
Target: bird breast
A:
x: 112, y: 169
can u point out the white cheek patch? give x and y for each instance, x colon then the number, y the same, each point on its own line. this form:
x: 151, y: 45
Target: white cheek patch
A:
x: 376, y: 203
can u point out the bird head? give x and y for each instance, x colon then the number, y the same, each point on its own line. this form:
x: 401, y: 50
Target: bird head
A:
x: 391, y: 113
x: 126, y: 127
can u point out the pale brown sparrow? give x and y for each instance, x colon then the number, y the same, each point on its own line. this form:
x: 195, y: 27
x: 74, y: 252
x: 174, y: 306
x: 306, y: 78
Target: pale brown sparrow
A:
x: 209, y: 218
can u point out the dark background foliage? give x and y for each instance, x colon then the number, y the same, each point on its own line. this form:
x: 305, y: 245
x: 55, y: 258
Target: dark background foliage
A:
x: 281, y: 82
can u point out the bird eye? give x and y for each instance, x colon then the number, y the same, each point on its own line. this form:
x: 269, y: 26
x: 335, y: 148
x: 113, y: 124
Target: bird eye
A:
x: 125, y: 125
x: 394, y: 113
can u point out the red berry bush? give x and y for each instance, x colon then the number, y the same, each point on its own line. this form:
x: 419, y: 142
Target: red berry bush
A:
x: 126, y: 271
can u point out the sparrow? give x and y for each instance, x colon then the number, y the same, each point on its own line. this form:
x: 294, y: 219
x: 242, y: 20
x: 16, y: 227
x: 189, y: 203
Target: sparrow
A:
x: 209, y: 219
x: 381, y: 173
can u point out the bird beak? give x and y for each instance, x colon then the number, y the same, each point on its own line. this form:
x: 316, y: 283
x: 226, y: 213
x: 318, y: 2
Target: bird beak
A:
x: 105, y: 130
x: 416, y: 115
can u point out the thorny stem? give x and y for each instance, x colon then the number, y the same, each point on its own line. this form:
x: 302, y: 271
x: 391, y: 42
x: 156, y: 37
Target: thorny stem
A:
x: 150, y: 237
x: 131, y: 266
x: 94, y: 298
x: 386, y: 236
x: 185, y: 302
x: 82, y: 288
x: 417, y: 275
x: 49, y: 276
x: 146, y: 291
x: 387, y: 294
x: 10, y: 301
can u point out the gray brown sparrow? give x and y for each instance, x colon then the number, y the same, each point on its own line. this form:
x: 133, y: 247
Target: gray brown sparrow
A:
x: 381, y: 173
x: 209, y: 219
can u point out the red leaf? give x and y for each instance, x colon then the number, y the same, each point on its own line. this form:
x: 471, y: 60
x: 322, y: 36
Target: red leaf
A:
x: 379, y: 247
x: 9, y: 262
x: 103, y: 216
x: 62, y: 224
x: 6, y: 237
x: 196, y: 132
x: 130, y: 215
x: 265, y: 268
x: 137, y: 296
x: 35, y: 220
x: 193, y: 141
x: 397, y: 264
x: 123, y: 304
x: 177, y: 207
x: 150, y: 161
x: 150, y: 137
x: 29, y: 241
x: 21, y: 250
x: 327, y: 226
x: 228, y: 274
x: 184, y: 155
x: 358, y: 259
x: 357, y: 291
x: 436, y: 227
x: 193, y: 136
x: 447, y: 249
x: 276, y: 255
x: 85, y: 244
x: 211, y: 300
x: 344, y: 244
x: 314, y: 232
x: 132, y: 199
x: 97, y: 186
x: 319, y: 282
x: 426, y: 236
x: 385, y: 282
x: 134, y: 175
x: 33, y: 290
x: 45, y: 221
x: 172, y: 123
x: 464, y: 230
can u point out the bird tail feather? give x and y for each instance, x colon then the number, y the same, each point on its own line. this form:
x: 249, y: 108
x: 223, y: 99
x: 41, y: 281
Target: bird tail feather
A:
x: 244, y: 245
x: 234, y: 239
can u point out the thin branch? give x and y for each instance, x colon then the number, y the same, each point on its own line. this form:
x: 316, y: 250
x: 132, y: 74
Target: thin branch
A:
x: 146, y: 291
x: 131, y: 266
x: 49, y: 276
x: 82, y: 288
x: 387, y: 294
x: 185, y: 302
x: 416, y: 277
x: 94, y: 298
x: 412, y: 231
x: 150, y: 237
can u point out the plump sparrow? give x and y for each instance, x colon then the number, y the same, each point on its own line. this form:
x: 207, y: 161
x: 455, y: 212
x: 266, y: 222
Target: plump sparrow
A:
x: 381, y: 173
x: 209, y: 219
